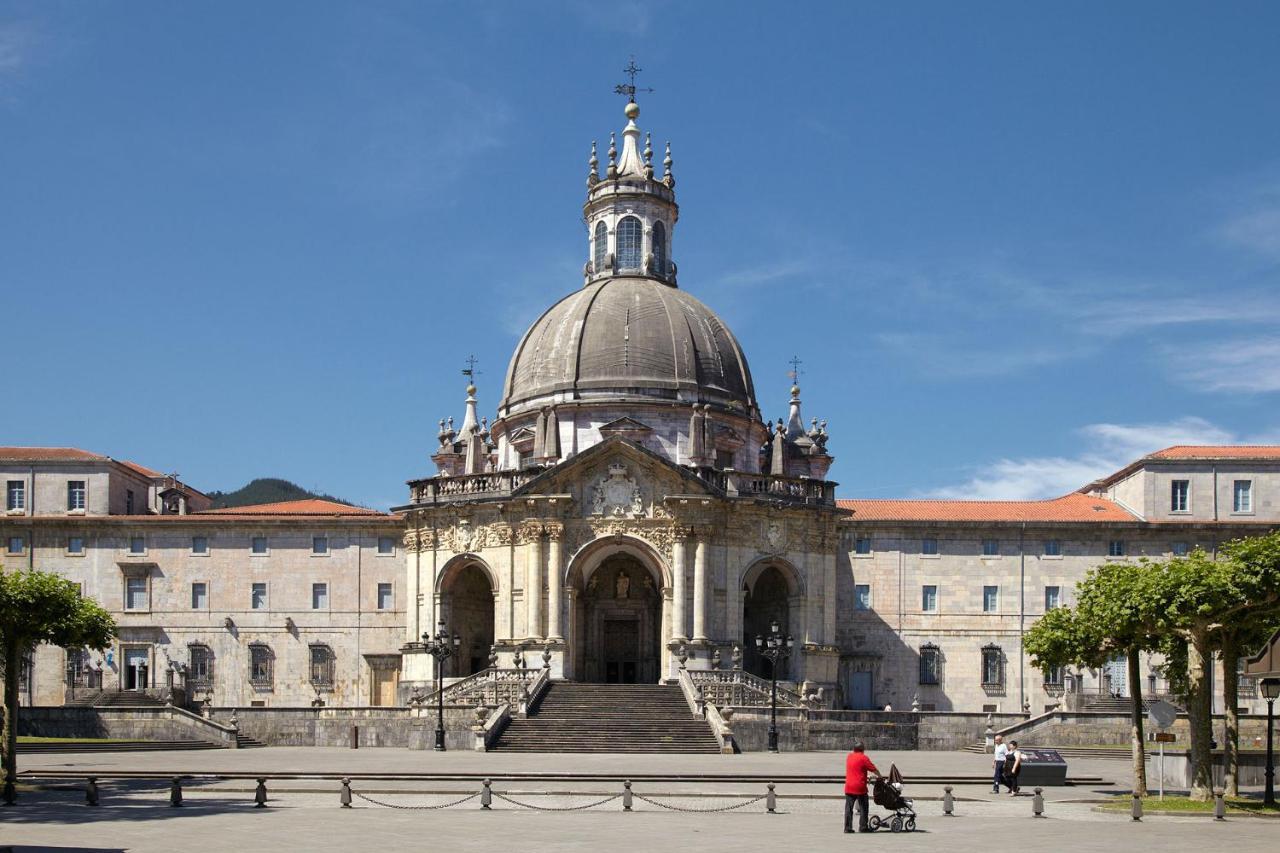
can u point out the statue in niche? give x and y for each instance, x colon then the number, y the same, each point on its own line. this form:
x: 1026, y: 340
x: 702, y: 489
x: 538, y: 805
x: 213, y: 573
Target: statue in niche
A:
x: 592, y: 584
x: 647, y: 583
x: 622, y: 587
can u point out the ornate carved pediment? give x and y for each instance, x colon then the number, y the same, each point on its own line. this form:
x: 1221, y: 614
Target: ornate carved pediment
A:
x: 617, y: 495
x: 626, y: 428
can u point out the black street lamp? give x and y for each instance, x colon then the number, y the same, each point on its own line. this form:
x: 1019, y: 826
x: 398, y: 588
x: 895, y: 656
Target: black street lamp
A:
x: 775, y: 647
x: 1270, y: 691
x: 441, y: 647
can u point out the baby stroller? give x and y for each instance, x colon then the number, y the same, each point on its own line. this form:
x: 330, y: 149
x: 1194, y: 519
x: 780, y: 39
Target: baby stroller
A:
x: 886, y: 792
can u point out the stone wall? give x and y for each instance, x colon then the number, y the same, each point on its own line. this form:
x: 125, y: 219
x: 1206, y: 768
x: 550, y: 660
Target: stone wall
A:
x: 822, y: 731
x: 396, y: 727
x: 120, y: 723
x: 958, y: 730
x: 1084, y: 728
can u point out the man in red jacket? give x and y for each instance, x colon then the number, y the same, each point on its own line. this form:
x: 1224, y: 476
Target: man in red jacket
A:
x: 856, y: 767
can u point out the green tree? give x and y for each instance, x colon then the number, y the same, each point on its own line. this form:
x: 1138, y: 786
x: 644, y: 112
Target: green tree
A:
x: 40, y: 607
x: 1109, y: 619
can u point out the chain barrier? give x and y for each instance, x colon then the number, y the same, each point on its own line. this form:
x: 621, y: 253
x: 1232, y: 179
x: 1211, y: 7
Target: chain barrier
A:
x: 696, y: 810
x: 416, y: 808
x: 557, y: 808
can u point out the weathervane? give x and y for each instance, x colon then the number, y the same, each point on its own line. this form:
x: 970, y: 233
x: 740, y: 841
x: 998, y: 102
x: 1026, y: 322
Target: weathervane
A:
x: 794, y: 372
x: 629, y: 89
x: 470, y: 370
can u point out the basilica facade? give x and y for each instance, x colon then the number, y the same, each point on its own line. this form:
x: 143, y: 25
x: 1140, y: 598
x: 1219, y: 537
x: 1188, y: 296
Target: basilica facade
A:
x: 630, y: 511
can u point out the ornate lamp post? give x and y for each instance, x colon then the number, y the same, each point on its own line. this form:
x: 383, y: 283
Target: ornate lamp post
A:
x: 776, y: 648
x: 1270, y: 691
x: 441, y: 647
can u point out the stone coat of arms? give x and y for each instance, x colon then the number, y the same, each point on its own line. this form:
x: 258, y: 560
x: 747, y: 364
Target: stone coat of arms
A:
x: 617, y: 495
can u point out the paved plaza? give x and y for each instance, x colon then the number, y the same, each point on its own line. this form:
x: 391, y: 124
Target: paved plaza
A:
x: 304, y: 814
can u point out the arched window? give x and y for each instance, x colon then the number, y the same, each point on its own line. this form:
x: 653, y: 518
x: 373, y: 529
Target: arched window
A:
x: 660, y: 248
x: 628, y: 239
x: 601, y: 247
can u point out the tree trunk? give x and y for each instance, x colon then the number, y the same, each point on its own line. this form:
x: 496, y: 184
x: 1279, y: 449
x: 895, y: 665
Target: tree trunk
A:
x: 12, y: 672
x: 1135, y: 727
x: 1231, y: 729
x: 1200, y: 714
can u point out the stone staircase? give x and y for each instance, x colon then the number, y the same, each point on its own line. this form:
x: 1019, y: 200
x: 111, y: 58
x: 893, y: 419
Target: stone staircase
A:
x: 575, y: 717
x: 72, y: 745
x: 114, y: 699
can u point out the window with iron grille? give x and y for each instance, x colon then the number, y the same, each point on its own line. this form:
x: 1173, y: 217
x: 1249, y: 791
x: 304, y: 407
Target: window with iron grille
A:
x: 321, y: 666
x: 1053, y: 676
x: 200, y: 665
x: 261, y: 665
x: 930, y: 664
x: 601, y: 248
x: 992, y: 666
x: 628, y: 238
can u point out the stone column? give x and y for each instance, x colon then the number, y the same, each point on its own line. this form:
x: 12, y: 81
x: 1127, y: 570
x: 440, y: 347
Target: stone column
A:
x: 829, y: 597
x: 700, y: 589
x: 555, y: 583
x: 678, y: 629
x: 533, y: 586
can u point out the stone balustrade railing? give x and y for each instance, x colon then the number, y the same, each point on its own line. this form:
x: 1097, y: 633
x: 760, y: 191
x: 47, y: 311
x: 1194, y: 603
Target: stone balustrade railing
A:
x: 469, y: 486
x: 737, y: 688
x: 490, y: 687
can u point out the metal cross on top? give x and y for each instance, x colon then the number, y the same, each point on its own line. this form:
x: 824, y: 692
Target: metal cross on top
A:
x: 629, y: 89
x: 470, y: 370
x: 794, y: 372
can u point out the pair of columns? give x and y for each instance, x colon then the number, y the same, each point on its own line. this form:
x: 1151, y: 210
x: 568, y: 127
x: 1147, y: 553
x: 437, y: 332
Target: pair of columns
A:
x: 555, y: 586
x: 679, y: 619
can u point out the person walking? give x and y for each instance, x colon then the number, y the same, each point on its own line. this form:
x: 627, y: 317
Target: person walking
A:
x: 1012, y: 767
x: 1001, y: 753
x: 856, y: 767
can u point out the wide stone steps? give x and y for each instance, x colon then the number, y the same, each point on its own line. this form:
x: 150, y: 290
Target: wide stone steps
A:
x: 44, y: 747
x: 609, y: 718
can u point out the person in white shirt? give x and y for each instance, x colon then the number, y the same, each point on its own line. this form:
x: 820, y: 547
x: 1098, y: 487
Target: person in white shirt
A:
x: 1002, y: 752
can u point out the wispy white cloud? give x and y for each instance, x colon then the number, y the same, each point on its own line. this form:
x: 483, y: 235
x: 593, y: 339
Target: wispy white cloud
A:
x: 1254, y: 223
x: 1110, y: 446
x: 1242, y: 364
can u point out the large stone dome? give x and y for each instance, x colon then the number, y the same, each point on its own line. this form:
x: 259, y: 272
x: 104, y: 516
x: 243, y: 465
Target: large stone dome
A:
x: 629, y: 339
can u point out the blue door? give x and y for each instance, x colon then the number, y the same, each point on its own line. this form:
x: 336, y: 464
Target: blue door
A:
x: 860, y: 691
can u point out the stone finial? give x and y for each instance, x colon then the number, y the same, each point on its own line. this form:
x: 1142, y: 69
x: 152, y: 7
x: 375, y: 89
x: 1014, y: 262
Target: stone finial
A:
x: 593, y: 167
x: 737, y: 656
x: 613, y: 157
x: 648, y: 156
x: 668, y: 176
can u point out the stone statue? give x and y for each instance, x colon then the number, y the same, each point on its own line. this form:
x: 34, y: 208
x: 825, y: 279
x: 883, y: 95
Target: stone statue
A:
x: 622, y: 588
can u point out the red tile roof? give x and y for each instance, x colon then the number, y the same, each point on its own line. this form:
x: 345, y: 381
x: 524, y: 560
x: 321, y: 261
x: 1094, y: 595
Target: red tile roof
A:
x: 47, y: 454
x: 310, y: 506
x: 141, y: 469
x: 1073, y: 507
x: 1209, y: 451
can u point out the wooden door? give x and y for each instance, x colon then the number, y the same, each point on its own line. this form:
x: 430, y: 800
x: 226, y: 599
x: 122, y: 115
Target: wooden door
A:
x: 384, y: 686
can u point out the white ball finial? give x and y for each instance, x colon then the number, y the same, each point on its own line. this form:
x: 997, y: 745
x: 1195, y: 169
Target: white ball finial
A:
x: 632, y: 110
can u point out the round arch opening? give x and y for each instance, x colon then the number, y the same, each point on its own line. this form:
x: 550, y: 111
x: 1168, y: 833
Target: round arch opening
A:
x: 766, y: 599
x: 467, y: 598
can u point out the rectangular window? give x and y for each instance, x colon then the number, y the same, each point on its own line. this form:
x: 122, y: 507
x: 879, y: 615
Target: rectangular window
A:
x: 992, y: 667
x: 1242, y: 496
x: 386, y: 598
x: 862, y: 545
x: 319, y: 596
x: 1052, y: 597
x: 15, y: 495
x: 200, y: 545
x: 930, y: 664
x: 990, y: 599
x: 861, y: 596
x: 991, y: 547
x: 1115, y: 548
x: 258, y: 545
x: 1053, y: 676
x: 258, y: 596
x: 1178, y: 549
x: 1052, y: 548
x: 75, y: 545
x: 929, y: 598
x: 128, y: 501
x: 1179, y: 492
x: 17, y: 545
x: 199, y: 596
x: 929, y: 547
x: 319, y: 545
x: 75, y: 494
x: 135, y: 593
x: 137, y: 545
x: 261, y: 666
x: 386, y: 545
x: 200, y: 668
x: 321, y: 666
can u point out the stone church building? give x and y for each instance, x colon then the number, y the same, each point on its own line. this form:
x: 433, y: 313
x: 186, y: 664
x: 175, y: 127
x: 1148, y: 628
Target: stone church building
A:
x: 630, y: 512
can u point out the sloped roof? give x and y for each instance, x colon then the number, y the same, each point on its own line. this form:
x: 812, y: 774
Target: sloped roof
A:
x: 1073, y: 507
x: 308, y: 506
x: 141, y: 469
x: 48, y: 454
x: 1211, y: 451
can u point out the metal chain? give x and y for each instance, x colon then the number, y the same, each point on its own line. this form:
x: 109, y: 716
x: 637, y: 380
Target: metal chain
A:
x: 416, y: 808
x: 692, y: 809
x: 557, y: 808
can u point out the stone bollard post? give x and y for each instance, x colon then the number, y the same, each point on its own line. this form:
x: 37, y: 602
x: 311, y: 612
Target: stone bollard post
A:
x: 1135, y: 811
x: 1219, y: 805
x: 91, y: 791
x: 948, y: 802
x: 175, y: 792
x: 260, y: 795
x: 771, y: 799
x: 345, y: 797
x: 486, y: 795
x: 626, y: 796
x: 1037, y: 803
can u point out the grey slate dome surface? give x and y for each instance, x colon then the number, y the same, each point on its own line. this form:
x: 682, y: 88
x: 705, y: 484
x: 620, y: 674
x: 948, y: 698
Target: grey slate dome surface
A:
x: 628, y: 339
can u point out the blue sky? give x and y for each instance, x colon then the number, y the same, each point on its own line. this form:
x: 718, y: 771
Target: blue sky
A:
x: 1015, y: 245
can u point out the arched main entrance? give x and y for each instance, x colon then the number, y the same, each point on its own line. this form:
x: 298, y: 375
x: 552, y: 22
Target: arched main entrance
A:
x: 619, y: 623
x: 766, y: 599
x: 467, y: 610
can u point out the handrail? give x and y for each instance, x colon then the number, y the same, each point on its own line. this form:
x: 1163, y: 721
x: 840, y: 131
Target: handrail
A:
x: 536, y: 691
x: 720, y: 727
x: 690, y: 691
x: 736, y: 687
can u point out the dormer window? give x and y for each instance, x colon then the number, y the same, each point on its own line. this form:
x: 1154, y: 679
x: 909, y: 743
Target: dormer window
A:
x: 659, y: 240
x: 601, y: 248
x: 629, y: 239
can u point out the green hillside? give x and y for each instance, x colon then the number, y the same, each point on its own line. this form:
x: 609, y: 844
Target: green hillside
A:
x: 266, y: 490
